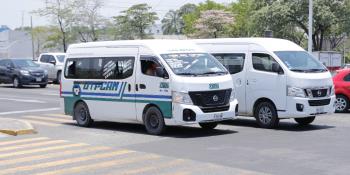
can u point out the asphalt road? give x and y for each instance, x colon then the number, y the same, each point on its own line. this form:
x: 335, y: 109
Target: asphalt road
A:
x: 237, y: 147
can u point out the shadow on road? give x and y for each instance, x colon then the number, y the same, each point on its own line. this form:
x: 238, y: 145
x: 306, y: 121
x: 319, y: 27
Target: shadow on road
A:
x: 283, y: 126
x: 171, y: 131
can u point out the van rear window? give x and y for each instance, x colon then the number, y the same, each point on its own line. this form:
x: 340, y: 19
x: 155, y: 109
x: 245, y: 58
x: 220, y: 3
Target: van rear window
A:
x: 100, y: 68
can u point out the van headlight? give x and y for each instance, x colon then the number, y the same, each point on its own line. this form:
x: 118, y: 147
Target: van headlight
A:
x: 25, y: 72
x: 45, y: 72
x: 332, y: 91
x: 233, y: 95
x: 295, y: 92
x: 181, y: 98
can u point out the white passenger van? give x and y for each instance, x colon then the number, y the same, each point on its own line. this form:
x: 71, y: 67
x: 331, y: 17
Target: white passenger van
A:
x: 274, y: 79
x: 153, y: 82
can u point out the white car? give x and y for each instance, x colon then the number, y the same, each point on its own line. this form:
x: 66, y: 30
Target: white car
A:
x: 53, y: 63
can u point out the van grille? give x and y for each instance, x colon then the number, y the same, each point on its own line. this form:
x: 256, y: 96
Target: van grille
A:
x: 319, y: 102
x: 207, y: 100
x: 215, y: 109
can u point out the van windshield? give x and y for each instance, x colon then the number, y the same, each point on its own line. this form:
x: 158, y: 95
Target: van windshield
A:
x: 300, y: 61
x: 194, y: 64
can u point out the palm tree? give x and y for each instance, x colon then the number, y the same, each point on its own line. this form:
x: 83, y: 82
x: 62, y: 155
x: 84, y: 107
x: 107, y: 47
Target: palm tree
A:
x: 172, y: 23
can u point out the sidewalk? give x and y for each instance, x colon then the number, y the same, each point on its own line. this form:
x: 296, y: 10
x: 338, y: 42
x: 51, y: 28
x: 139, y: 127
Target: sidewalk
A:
x: 15, y: 127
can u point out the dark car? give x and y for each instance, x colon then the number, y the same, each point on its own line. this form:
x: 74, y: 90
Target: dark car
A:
x: 342, y: 90
x: 22, y: 72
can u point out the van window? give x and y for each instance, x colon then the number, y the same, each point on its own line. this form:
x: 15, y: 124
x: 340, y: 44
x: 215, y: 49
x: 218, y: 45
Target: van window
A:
x: 234, y: 62
x: 263, y: 62
x: 149, y: 65
x: 100, y: 68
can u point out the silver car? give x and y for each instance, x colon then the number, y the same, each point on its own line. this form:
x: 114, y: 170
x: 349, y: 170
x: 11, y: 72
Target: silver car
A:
x: 53, y: 63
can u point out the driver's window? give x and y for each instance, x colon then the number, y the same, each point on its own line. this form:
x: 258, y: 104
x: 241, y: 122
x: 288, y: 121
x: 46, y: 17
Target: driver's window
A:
x: 263, y: 62
x: 149, y: 65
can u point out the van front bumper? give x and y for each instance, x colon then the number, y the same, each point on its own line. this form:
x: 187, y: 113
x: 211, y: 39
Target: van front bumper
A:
x: 200, y: 116
x: 318, y: 107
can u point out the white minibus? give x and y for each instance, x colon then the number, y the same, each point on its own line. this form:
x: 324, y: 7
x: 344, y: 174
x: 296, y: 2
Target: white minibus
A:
x: 153, y: 82
x: 274, y: 79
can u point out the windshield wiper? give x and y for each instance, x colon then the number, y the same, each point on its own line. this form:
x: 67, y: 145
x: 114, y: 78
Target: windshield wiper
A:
x: 317, y: 70
x: 187, y: 73
x: 210, y: 73
x: 298, y: 70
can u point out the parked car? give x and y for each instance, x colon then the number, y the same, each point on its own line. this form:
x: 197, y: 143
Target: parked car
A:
x: 53, y: 63
x: 21, y: 72
x: 342, y: 90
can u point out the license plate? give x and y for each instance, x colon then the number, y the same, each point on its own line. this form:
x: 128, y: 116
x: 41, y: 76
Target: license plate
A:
x: 320, y: 110
x: 38, y: 79
x: 218, y: 116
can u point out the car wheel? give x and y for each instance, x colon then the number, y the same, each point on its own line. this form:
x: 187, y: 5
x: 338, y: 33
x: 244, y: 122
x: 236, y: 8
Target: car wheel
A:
x: 266, y: 115
x: 43, y: 86
x: 82, y: 115
x: 154, y: 121
x: 341, y: 103
x: 208, y: 126
x: 16, y: 83
x: 59, y: 74
x: 305, y: 121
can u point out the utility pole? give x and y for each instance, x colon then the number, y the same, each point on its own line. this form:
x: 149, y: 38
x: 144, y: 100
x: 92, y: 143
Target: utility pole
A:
x: 310, y: 26
x: 31, y: 31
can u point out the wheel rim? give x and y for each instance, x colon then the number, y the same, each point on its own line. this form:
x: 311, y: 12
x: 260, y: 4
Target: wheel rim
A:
x: 265, y: 115
x: 15, y: 82
x: 340, y: 104
x: 82, y: 114
x: 153, y: 121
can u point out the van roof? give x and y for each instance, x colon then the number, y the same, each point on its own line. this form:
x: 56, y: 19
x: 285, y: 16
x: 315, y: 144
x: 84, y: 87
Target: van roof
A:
x: 159, y: 46
x: 272, y: 44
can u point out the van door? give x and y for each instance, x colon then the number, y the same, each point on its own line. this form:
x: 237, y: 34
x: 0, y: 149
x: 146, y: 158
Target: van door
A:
x: 150, y: 88
x: 262, y: 82
x: 235, y: 64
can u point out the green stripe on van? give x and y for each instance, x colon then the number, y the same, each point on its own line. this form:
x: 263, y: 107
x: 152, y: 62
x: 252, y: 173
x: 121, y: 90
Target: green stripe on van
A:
x: 164, y: 106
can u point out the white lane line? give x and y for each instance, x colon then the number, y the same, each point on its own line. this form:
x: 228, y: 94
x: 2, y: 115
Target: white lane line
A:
x: 51, y: 94
x: 27, y: 111
x: 22, y: 100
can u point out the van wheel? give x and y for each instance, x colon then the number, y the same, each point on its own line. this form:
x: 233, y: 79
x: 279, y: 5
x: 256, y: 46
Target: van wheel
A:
x: 82, y: 115
x: 305, y: 121
x: 266, y: 115
x: 208, y: 126
x: 341, y: 103
x: 16, y: 83
x: 154, y: 121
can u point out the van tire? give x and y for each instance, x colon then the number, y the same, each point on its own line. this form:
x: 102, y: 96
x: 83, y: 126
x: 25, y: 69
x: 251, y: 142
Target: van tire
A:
x: 305, y: 121
x: 154, y: 121
x: 266, y: 115
x: 208, y: 126
x: 341, y: 104
x: 82, y: 115
x: 16, y: 82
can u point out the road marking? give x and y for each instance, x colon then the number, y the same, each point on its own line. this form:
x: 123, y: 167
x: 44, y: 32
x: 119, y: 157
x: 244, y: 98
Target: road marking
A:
x: 32, y: 145
x: 52, y: 155
x: 42, y: 150
x: 101, y: 165
x: 27, y: 111
x: 51, y: 94
x: 48, y: 119
x: 151, y: 168
x: 22, y: 100
x: 59, y: 115
x: 64, y: 162
x: 22, y: 141
x: 43, y: 123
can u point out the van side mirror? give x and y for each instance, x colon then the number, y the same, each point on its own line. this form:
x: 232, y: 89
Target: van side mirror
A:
x: 160, y: 72
x: 53, y: 62
x: 277, y: 68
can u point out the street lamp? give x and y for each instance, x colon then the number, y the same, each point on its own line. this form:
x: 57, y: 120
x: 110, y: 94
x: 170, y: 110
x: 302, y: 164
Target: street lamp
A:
x: 310, y: 27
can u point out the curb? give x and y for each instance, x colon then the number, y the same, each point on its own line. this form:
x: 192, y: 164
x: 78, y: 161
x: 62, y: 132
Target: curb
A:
x: 27, y: 128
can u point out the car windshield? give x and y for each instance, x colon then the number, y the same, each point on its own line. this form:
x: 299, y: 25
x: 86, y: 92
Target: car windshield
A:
x: 300, y: 61
x: 60, y: 58
x: 194, y: 64
x: 24, y: 63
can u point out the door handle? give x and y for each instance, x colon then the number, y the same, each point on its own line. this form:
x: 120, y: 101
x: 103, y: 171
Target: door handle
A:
x: 142, y: 86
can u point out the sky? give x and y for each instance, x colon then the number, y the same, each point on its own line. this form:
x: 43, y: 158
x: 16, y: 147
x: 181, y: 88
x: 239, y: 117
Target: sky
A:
x: 13, y: 11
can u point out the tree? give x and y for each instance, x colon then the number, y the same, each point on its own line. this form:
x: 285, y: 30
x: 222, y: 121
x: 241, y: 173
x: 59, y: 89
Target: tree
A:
x: 172, y: 23
x: 137, y: 19
x: 87, y: 19
x: 61, y: 12
x: 212, y: 23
